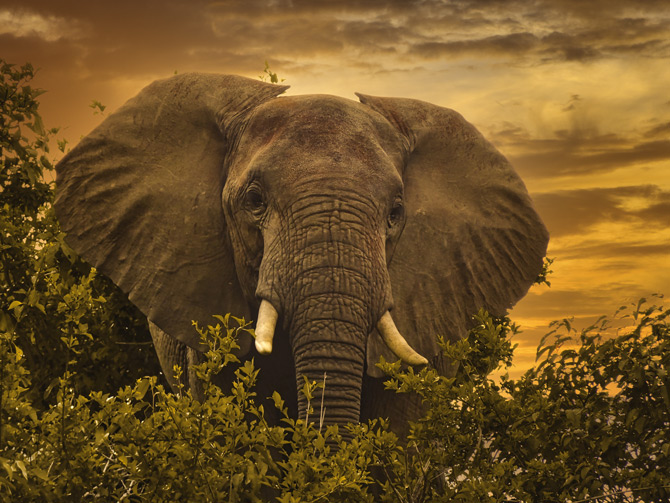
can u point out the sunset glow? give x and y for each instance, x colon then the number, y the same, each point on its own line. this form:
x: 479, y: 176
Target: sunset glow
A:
x: 576, y: 94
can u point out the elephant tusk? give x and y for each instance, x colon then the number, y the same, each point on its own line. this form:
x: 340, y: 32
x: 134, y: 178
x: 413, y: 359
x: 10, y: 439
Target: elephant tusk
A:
x: 265, y: 327
x: 396, y: 342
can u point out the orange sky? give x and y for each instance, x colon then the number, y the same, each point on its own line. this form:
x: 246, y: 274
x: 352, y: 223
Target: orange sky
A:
x: 575, y: 93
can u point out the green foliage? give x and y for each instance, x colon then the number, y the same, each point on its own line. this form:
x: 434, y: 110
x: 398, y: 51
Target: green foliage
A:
x: 98, y: 108
x: 49, y: 298
x: 601, y: 405
x: 77, y: 423
x: 145, y: 444
x: 542, y: 278
x: 269, y: 74
x: 588, y: 423
x: 559, y: 433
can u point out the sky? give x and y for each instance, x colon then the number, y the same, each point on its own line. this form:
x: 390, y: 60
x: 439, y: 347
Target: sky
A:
x: 575, y: 93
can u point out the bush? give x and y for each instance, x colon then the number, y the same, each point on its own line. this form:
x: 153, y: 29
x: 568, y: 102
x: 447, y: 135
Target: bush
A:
x: 77, y: 423
x: 48, y: 294
x: 588, y: 423
x: 559, y: 433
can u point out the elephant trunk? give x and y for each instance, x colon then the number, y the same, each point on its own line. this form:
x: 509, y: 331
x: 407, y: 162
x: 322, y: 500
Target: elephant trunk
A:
x: 330, y: 347
x: 325, y: 271
x: 332, y: 292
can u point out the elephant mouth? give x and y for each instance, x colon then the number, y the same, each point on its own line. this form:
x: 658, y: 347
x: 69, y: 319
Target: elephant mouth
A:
x: 267, y: 322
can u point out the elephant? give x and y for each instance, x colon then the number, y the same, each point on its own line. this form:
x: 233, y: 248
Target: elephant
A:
x: 350, y: 230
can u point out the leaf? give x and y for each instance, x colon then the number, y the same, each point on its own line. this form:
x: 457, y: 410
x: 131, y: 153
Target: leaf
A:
x: 100, y: 435
x: 141, y: 388
x: 15, y: 304
x: 40, y: 473
x: 8, y: 468
x: 22, y: 467
x: 50, y: 387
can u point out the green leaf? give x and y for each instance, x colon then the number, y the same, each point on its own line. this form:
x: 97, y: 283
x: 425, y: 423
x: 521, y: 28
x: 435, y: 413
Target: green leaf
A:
x: 22, y: 467
x: 141, y: 388
x: 40, y: 473
x: 8, y: 467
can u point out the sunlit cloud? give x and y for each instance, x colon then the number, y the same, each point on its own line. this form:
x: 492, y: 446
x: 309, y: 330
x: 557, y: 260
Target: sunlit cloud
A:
x: 578, y: 211
x: 21, y: 23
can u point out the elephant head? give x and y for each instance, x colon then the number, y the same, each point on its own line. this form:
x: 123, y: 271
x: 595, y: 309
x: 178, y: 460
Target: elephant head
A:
x: 209, y: 193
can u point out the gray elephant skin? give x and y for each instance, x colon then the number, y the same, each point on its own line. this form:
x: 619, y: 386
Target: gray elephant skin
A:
x: 338, y: 225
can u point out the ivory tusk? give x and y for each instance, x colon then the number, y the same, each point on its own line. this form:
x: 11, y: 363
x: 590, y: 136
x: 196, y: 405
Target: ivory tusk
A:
x: 265, y: 327
x: 396, y: 342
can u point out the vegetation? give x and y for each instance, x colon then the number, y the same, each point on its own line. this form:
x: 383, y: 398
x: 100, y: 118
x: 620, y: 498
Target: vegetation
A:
x: 77, y: 422
x: 269, y: 74
x: 49, y: 297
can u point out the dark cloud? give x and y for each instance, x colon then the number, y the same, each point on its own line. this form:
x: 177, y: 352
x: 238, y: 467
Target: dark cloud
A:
x: 136, y: 38
x: 514, y: 43
x: 613, y: 38
x: 662, y: 130
x: 234, y: 35
x: 572, y: 103
x: 567, y: 47
x: 585, y: 306
x: 574, y: 212
x: 562, y: 157
x: 581, y: 148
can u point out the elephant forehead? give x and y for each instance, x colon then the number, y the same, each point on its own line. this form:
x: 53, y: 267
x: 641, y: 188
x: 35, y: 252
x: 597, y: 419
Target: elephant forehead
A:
x: 314, y: 136
x: 323, y: 124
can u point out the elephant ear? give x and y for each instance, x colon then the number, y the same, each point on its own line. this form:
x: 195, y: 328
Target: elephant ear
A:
x: 472, y: 238
x: 140, y: 198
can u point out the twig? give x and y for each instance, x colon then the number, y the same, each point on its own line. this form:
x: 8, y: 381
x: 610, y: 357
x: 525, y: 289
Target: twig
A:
x: 616, y: 493
x: 322, y: 415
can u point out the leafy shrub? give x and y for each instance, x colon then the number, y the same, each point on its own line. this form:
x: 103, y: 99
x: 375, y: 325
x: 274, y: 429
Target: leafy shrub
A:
x: 48, y: 294
x: 559, y: 433
x: 589, y: 422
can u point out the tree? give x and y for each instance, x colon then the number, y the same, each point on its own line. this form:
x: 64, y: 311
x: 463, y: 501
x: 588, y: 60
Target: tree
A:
x: 49, y: 298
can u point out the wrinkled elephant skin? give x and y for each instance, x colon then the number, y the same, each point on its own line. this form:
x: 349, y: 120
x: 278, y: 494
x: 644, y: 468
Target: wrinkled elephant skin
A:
x: 353, y: 229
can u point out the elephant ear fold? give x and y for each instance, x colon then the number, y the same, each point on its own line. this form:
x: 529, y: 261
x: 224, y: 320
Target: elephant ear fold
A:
x: 140, y: 198
x: 472, y: 238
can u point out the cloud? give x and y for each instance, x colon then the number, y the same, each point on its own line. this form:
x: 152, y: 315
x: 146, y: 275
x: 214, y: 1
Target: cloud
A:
x: 533, y: 42
x: 513, y: 43
x: 575, y: 212
x: 662, y: 130
x: 234, y: 35
x: 614, y: 250
x: 554, y: 304
x: 564, y: 157
x: 570, y: 137
x: 572, y: 103
x: 50, y: 28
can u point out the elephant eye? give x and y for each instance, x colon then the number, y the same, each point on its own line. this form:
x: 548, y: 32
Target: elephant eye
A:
x: 396, y: 215
x: 254, y: 200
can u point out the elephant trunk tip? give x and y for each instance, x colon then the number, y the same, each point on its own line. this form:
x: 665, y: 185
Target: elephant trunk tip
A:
x: 265, y: 327
x: 396, y: 342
